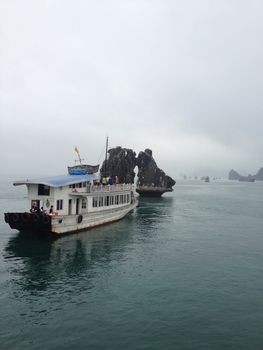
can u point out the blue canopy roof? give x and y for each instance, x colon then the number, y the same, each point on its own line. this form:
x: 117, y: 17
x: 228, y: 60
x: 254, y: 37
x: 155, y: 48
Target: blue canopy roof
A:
x: 57, y: 181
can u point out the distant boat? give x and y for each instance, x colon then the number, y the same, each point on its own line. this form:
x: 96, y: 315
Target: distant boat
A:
x: 206, y: 179
x: 83, y: 169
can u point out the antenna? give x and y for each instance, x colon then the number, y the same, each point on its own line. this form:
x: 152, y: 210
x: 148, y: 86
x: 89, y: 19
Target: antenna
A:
x: 106, y: 156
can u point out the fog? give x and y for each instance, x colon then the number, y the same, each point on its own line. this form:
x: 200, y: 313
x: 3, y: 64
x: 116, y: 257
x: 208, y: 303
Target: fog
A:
x: 183, y: 78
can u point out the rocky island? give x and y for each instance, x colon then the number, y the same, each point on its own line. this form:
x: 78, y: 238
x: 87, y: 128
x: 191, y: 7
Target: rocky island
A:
x: 234, y: 175
x: 151, y: 181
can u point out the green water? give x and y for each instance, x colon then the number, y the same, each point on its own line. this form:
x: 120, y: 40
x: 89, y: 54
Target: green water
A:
x: 181, y: 272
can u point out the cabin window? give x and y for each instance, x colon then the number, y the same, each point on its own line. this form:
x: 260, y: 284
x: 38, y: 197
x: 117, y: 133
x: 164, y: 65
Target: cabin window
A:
x: 107, y: 201
x: 35, y: 203
x: 117, y: 199
x: 84, y: 204
x: 43, y: 190
x: 111, y: 200
x: 59, y: 204
x: 95, y: 202
x: 128, y: 198
x: 84, y: 184
x: 100, y: 201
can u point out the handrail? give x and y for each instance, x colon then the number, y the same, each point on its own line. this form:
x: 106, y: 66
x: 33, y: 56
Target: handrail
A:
x: 103, y: 188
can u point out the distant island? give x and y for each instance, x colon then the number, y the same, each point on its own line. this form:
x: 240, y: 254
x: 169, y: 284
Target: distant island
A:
x: 234, y: 175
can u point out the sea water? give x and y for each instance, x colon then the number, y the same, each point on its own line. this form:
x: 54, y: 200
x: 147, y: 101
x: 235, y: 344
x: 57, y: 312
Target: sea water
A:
x: 184, y: 271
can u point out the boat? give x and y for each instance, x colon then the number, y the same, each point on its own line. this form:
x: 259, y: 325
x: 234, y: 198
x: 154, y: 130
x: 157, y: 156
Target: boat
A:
x: 83, y: 169
x: 205, y: 178
x: 72, y: 202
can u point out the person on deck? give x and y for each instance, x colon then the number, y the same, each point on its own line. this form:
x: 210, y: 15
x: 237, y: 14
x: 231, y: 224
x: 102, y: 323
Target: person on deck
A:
x: 104, y: 180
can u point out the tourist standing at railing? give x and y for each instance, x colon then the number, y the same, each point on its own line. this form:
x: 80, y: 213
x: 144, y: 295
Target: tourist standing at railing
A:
x: 104, y: 180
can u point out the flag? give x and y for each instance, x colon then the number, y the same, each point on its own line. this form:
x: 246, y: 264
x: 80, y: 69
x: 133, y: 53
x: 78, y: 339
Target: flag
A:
x: 76, y: 149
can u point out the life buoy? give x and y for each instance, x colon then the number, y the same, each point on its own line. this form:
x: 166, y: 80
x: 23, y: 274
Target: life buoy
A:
x: 15, y: 217
x: 79, y: 219
x: 25, y: 217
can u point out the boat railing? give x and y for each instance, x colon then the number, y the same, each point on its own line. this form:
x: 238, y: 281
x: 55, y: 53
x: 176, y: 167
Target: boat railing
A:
x: 103, y: 188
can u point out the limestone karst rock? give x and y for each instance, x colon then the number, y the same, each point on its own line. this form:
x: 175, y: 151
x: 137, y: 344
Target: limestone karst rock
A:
x: 152, y: 181
x: 121, y: 162
x: 259, y: 175
x: 233, y: 175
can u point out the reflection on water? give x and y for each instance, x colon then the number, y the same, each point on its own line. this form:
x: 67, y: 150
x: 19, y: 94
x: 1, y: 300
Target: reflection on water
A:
x: 153, y: 211
x: 38, y: 264
x: 29, y: 259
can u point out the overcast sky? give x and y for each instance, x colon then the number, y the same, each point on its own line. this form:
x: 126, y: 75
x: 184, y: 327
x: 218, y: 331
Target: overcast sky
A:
x: 182, y: 77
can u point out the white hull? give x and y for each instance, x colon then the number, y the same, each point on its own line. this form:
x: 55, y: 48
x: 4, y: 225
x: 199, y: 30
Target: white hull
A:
x: 63, y: 224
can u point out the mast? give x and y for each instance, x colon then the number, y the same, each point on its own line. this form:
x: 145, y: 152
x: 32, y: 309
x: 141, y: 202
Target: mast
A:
x: 77, y: 151
x: 79, y: 159
x: 106, y: 156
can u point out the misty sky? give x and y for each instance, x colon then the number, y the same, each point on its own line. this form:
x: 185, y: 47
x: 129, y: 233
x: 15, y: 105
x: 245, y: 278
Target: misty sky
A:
x: 184, y: 78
